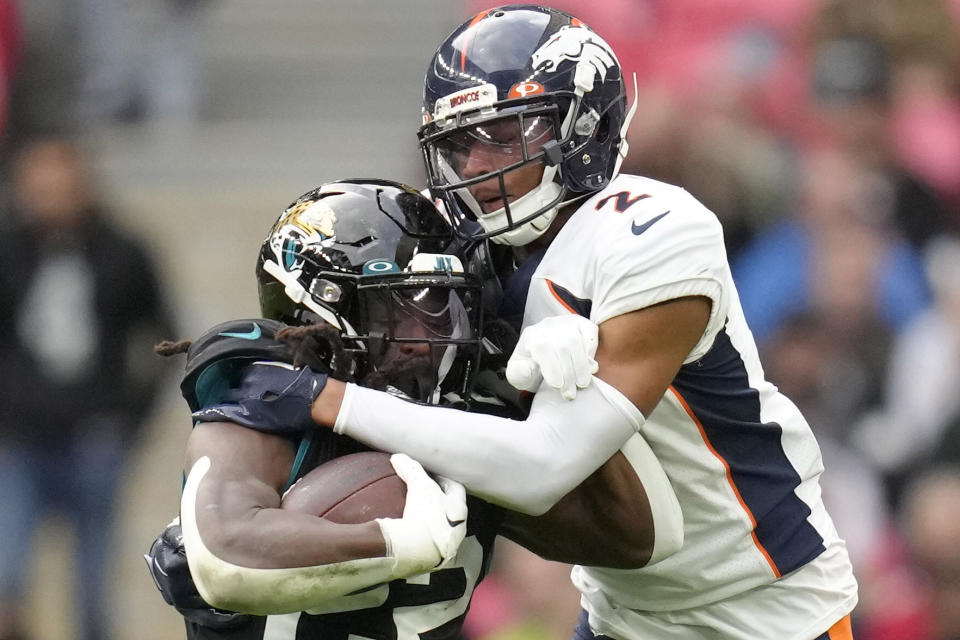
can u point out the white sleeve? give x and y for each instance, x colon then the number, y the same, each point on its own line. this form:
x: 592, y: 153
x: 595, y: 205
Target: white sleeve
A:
x: 526, y: 466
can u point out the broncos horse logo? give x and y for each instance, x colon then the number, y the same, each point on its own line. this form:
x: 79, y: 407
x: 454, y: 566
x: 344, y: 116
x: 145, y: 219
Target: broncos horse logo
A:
x: 578, y: 43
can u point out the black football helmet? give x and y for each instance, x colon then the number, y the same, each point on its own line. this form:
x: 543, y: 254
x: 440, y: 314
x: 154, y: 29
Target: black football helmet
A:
x: 515, y: 90
x: 373, y: 258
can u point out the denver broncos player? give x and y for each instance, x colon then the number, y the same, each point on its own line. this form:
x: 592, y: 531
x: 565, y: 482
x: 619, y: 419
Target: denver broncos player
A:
x: 523, y: 135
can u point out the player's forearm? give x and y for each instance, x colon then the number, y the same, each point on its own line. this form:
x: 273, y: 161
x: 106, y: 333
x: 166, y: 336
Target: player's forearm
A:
x: 624, y: 516
x: 525, y: 465
x: 268, y: 561
x: 280, y: 539
x: 604, y: 522
x: 239, y: 505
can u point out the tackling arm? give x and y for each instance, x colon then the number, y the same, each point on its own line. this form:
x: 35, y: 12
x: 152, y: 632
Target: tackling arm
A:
x: 624, y: 516
x: 529, y: 465
x: 604, y: 522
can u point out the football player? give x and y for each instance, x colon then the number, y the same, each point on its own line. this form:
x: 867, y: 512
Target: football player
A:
x: 360, y: 274
x: 397, y: 313
x: 524, y: 123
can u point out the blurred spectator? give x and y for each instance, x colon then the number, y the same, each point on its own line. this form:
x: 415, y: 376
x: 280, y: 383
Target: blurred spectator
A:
x: 914, y: 31
x: 838, y: 257
x: 920, y: 399
x: 832, y: 374
x: 853, y: 110
x: 523, y: 598
x: 81, y: 308
x: 931, y: 525
x: 926, y: 134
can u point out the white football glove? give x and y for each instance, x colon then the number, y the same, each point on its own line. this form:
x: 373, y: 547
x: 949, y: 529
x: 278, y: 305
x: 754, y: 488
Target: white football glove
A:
x: 558, y: 351
x: 434, y: 520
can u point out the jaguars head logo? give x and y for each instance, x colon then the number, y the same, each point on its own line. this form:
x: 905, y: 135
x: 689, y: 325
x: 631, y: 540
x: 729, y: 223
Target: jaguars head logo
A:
x: 312, y: 217
x: 306, y: 228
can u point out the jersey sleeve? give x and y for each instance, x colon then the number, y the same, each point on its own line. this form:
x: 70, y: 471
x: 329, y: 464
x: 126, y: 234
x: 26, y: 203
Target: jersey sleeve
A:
x: 680, y: 254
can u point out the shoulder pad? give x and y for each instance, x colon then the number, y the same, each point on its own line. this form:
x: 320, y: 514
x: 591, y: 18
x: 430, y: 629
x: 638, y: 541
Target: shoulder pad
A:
x: 231, y: 346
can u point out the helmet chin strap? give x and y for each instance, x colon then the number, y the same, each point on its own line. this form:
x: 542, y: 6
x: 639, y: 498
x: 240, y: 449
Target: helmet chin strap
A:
x: 538, y: 198
x: 446, y: 363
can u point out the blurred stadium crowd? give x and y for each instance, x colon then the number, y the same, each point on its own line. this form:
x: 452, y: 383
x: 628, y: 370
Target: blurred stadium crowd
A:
x: 825, y: 134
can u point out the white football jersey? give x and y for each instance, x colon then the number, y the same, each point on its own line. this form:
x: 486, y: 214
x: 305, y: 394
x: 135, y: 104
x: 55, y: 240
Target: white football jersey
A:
x: 741, y: 458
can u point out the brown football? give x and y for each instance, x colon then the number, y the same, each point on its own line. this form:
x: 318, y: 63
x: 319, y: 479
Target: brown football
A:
x: 354, y: 488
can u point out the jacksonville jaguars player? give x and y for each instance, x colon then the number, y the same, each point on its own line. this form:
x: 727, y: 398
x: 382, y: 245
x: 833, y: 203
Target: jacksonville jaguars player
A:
x: 398, y: 313
x: 523, y: 134
x: 330, y: 267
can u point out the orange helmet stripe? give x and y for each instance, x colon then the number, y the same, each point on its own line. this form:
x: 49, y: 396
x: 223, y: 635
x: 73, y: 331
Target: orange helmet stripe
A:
x: 463, y: 52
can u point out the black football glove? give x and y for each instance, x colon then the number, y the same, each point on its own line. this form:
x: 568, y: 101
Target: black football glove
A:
x: 167, y: 563
x: 220, y: 354
x: 272, y: 397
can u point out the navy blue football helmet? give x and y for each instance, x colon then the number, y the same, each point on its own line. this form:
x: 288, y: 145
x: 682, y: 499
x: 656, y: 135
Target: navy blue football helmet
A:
x: 524, y: 110
x: 374, y: 259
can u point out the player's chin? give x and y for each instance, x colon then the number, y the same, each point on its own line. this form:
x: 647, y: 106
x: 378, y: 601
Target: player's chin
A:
x: 490, y: 201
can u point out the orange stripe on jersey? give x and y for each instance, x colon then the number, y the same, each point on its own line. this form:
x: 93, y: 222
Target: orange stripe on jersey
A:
x: 842, y: 630
x: 575, y: 22
x: 463, y: 51
x: 559, y: 299
x: 736, y: 492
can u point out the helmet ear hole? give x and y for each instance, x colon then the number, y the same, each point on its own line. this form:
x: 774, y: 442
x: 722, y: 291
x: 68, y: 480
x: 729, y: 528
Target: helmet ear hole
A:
x: 603, y: 129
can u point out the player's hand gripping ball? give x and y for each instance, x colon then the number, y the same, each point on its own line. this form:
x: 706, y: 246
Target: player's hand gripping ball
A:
x: 423, y: 519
